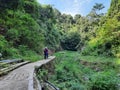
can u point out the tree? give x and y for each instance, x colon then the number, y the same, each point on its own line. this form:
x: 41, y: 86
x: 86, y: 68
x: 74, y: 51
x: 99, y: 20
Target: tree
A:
x: 77, y: 17
x: 94, y: 15
x: 114, y: 8
x: 107, y: 41
x: 71, y: 41
x: 98, y: 7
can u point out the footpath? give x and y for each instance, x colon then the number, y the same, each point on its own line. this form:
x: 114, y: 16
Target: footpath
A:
x: 22, y: 78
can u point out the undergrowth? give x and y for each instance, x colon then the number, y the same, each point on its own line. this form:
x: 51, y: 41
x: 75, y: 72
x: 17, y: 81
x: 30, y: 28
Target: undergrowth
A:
x: 71, y: 74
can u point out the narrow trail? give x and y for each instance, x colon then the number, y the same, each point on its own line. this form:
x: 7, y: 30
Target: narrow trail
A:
x: 22, y: 78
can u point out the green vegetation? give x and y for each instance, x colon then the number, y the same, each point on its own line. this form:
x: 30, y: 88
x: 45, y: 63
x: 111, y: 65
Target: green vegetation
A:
x: 27, y: 26
x: 23, y: 30
x: 107, y: 41
x: 74, y: 73
x: 70, y: 41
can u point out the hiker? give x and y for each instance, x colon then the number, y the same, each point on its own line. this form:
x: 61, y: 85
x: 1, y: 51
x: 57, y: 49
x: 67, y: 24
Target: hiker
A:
x: 45, y: 53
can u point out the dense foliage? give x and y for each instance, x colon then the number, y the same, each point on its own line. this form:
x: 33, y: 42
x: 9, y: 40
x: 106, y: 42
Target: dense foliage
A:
x: 76, y: 72
x: 31, y: 26
x: 107, y: 41
x: 70, y: 41
x: 107, y: 35
x: 26, y: 25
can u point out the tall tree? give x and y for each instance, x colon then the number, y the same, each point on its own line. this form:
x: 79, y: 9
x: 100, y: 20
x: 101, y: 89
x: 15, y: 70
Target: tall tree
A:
x: 94, y: 15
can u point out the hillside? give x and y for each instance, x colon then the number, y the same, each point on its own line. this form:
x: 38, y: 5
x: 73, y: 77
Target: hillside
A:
x: 29, y: 26
x: 89, y: 45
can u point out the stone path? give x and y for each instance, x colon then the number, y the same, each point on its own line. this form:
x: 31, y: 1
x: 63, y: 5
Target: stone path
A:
x: 21, y: 78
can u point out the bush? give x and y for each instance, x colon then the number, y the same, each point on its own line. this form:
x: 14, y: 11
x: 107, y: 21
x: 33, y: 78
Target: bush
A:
x: 104, y: 81
x: 11, y: 53
x: 28, y: 54
x: 6, y: 49
x: 77, y: 86
x: 71, y: 41
x: 3, y: 44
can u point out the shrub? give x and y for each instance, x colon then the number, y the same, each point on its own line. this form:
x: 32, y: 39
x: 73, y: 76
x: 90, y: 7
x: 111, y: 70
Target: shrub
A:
x: 104, y: 81
x: 11, y: 53
x: 3, y: 43
x: 71, y: 41
x: 28, y: 54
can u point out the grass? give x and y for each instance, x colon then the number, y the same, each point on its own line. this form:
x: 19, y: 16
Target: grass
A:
x: 70, y: 74
x: 98, y: 58
x: 77, y: 55
x: 33, y: 58
x: 118, y: 61
x: 26, y: 55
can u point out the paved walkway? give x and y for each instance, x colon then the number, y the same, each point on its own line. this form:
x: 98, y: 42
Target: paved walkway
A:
x: 21, y: 78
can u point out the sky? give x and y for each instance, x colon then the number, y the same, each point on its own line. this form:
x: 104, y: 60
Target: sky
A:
x: 73, y: 7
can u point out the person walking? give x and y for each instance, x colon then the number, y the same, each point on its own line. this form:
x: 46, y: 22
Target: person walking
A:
x: 45, y: 53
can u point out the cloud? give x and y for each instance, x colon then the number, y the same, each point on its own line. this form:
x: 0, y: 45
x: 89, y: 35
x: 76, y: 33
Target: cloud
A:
x: 76, y: 6
x: 70, y: 6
